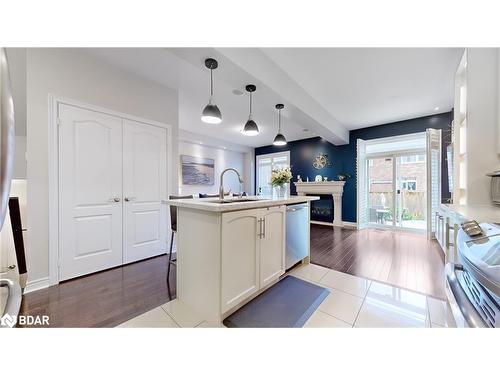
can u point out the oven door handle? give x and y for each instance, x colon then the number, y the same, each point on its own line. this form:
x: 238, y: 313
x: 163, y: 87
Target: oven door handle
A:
x: 467, y: 309
x: 13, y: 300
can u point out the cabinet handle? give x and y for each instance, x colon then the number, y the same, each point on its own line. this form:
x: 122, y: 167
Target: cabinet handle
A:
x: 116, y: 200
x: 260, y: 228
x: 264, y: 233
x: 129, y: 199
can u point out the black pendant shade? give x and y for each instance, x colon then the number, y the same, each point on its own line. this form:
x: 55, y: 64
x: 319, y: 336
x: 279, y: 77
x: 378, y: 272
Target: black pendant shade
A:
x: 250, y: 129
x: 280, y: 139
x: 211, y: 113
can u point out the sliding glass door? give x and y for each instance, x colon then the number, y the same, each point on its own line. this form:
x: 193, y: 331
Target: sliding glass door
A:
x: 398, y: 181
x: 411, y: 183
x: 397, y: 191
x: 381, y: 191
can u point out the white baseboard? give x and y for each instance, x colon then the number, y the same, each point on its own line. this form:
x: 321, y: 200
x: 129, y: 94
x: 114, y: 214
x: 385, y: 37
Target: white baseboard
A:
x: 33, y: 285
x: 327, y: 223
x: 350, y: 224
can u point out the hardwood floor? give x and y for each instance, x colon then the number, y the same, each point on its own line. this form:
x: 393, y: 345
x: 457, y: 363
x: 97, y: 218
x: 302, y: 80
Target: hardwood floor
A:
x: 109, y: 298
x: 405, y: 260
x: 104, y: 299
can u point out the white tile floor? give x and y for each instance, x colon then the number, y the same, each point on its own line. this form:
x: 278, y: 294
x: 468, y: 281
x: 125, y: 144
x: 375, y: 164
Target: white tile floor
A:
x: 352, y: 302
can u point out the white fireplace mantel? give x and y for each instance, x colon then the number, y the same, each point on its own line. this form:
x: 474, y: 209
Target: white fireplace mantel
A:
x: 335, y: 188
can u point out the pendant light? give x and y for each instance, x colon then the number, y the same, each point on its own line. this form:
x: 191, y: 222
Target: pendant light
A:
x: 250, y: 128
x: 280, y: 139
x: 211, y: 113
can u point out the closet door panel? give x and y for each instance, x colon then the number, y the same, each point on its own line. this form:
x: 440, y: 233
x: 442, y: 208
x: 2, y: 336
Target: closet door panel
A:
x: 144, y: 188
x: 90, y: 191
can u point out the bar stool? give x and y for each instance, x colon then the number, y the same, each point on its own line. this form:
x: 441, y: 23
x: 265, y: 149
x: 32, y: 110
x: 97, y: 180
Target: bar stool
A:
x: 173, y: 227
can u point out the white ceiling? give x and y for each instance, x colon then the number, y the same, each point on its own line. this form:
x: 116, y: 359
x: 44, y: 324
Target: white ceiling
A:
x: 372, y: 86
x: 184, y: 70
x: 325, y: 90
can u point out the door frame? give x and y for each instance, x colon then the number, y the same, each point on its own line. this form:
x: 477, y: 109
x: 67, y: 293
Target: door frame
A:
x: 53, y: 164
x: 271, y: 155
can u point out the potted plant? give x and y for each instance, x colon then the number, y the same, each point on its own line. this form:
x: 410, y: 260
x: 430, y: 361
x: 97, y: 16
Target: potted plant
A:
x: 343, y: 176
x: 280, y: 178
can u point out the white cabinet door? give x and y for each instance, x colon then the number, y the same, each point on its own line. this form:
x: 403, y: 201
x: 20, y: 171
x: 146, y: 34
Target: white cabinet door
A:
x: 240, y: 256
x: 144, y: 187
x: 90, y: 188
x: 272, y: 245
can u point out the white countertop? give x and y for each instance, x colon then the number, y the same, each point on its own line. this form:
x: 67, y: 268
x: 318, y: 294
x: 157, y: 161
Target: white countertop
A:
x: 483, y: 213
x: 205, y: 204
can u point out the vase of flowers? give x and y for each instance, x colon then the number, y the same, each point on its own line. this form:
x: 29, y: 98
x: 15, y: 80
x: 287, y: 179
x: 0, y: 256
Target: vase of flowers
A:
x: 280, y: 178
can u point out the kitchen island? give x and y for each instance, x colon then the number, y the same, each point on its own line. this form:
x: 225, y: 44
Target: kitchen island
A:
x: 229, y: 251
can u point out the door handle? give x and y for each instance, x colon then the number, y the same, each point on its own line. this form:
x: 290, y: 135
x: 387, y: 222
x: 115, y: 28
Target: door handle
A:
x: 260, y: 228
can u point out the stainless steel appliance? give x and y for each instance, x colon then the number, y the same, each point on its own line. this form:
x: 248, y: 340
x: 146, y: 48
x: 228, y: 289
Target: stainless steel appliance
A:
x: 297, y: 233
x: 473, y: 287
x: 9, y: 288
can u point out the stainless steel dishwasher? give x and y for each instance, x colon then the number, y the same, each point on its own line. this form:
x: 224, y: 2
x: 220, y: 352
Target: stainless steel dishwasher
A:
x: 297, y: 233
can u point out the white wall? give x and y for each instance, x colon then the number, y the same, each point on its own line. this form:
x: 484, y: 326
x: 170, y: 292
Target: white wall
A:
x: 19, y: 169
x: 73, y: 74
x: 223, y: 159
x: 482, y: 122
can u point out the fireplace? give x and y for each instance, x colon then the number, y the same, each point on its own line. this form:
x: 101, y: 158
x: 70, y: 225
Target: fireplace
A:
x: 328, y: 208
x: 322, y: 209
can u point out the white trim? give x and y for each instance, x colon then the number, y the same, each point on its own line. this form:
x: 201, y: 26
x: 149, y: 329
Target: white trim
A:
x: 353, y: 224
x: 34, y: 285
x: 53, y: 164
x: 396, y: 138
x: 396, y: 228
x: 329, y: 224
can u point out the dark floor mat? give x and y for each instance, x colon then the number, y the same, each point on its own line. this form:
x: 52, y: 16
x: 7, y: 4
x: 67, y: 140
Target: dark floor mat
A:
x: 289, y: 303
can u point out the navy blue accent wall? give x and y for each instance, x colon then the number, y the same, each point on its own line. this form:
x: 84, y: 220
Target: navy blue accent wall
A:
x: 343, y: 158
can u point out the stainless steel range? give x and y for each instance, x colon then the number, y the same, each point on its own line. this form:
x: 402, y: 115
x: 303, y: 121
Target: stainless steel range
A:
x: 473, y: 287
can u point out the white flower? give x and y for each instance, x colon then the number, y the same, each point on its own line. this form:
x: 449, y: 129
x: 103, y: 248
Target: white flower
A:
x: 280, y: 176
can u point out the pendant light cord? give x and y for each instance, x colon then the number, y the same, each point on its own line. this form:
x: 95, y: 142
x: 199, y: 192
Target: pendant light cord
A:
x: 250, y: 104
x: 279, y: 121
x: 211, y: 84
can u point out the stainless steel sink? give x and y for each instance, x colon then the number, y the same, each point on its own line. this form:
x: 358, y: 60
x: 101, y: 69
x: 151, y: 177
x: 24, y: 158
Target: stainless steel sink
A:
x: 237, y: 200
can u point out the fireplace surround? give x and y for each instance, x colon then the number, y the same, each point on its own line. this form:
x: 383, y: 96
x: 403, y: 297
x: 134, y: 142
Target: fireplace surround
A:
x: 335, y: 189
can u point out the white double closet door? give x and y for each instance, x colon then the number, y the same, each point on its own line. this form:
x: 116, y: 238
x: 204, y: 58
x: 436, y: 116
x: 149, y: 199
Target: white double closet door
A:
x: 112, y: 180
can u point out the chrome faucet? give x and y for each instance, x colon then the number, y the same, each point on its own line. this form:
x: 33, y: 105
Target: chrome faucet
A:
x: 221, y: 188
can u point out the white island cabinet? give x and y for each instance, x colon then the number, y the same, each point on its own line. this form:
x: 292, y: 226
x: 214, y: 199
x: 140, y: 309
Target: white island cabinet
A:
x: 253, y: 252
x: 229, y: 253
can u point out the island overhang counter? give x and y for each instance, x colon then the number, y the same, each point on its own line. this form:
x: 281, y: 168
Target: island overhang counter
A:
x: 228, y: 253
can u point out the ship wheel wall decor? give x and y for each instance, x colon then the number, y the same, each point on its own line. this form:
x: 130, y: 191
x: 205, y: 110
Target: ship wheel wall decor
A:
x: 321, y: 161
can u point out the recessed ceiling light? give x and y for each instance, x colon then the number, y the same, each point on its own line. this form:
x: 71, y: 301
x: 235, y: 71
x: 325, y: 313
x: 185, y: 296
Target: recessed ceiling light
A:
x: 436, y: 108
x: 201, y: 143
